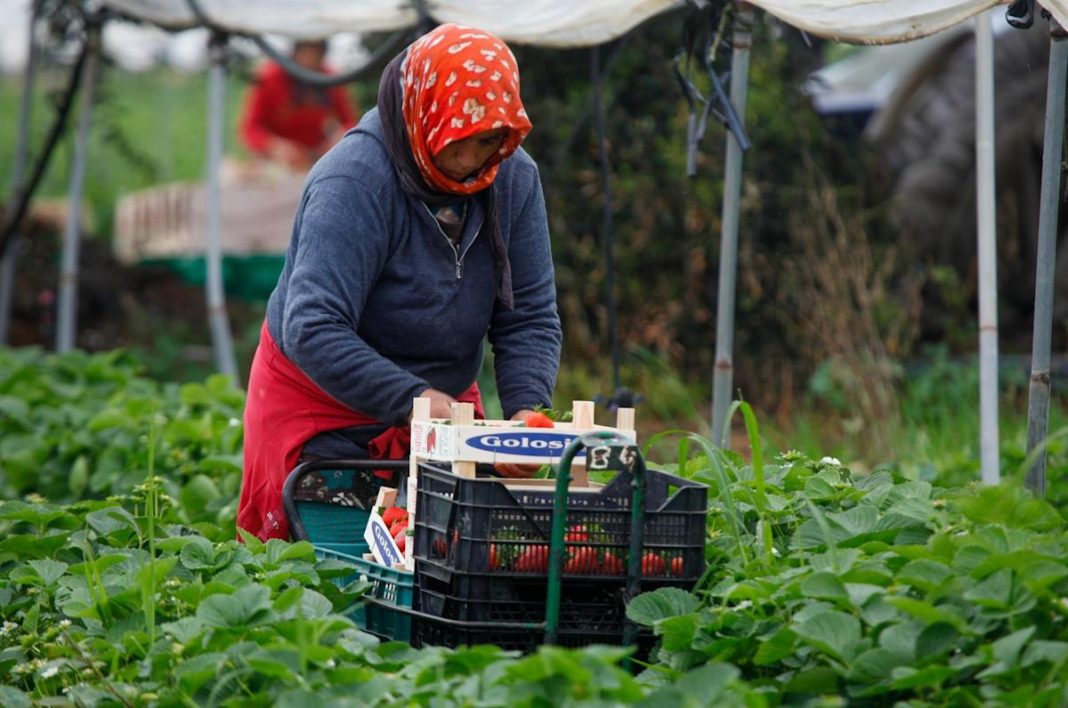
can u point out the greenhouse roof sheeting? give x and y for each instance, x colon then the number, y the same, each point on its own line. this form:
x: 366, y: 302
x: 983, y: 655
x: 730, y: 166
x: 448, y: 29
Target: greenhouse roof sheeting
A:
x: 561, y: 22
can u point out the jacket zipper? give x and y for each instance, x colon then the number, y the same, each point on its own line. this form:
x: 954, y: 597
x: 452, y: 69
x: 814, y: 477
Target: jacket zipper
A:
x: 455, y: 251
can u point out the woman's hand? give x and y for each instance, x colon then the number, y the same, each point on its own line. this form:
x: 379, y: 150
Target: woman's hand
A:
x: 440, y: 402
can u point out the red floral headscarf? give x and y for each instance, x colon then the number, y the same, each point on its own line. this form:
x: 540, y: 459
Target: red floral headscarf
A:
x: 458, y: 82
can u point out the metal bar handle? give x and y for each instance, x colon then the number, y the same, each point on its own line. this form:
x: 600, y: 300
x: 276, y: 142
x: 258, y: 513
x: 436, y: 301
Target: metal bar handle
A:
x: 591, y: 441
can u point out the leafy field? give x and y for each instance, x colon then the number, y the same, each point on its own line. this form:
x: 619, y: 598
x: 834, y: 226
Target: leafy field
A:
x: 121, y: 582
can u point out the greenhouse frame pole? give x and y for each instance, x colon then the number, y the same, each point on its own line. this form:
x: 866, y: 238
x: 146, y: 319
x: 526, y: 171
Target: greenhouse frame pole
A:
x: 1052, y: 146
x: 67, y: 303
x: 987, y: 248
x: 222, y: 344
x: 22, y: 151
x: 723, y: 378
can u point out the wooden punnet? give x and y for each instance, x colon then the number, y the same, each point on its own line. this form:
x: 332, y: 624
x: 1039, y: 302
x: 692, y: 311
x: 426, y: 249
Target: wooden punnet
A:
x: 463, y: 442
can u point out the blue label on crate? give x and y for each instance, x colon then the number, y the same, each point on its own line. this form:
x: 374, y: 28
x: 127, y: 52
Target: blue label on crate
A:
x: 525, y: 443
x: 385, y: 545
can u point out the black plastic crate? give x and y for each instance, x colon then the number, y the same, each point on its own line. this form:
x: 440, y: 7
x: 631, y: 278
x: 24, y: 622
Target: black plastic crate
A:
x: 435, y: 632
x: 427, y: 632
x: 592, y: 607
x: 485, y: 526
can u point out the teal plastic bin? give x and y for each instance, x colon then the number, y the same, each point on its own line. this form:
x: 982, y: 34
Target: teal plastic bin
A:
x: 389, y: 588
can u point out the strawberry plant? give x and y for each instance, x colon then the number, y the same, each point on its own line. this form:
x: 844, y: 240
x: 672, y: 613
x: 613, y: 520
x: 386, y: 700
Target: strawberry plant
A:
x: 121, y: 582
x: 76, y: 426
x: 876, y: 588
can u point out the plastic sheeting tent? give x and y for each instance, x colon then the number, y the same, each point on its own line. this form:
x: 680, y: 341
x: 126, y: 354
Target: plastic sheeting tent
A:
x: 560, y: 22
x: 563, y: 23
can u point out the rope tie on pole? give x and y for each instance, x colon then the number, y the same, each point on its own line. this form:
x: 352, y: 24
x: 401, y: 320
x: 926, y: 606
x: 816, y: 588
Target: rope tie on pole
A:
x: 704, y: 33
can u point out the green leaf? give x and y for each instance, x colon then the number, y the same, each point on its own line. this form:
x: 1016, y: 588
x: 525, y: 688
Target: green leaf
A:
x: 288, y: 598
x: 936, y: 640
x: 1007, y: 649
x: 313, y: 605
x: 678, y: 632
x: 152, y: 573
x: 777, y: 647
x: 36, y: 514
x: 877, y: 611
x: 825, y: 586
x: 198, y: 554
x: 906, y: 677
x: 819, y: 488
x: 15, y: 410
x: 184, y: 630
x: 926, y: 575
x: 107, y: 521
x: 248, y: 606
x: 14, y: 698
x: 650, y: 607
x: 873, y: 666
x: 928, y: 613
x: 706, y: 686
x: 834, y: 633
x: 273, y: 668
x: 819, y: 680
x: 253, y: 543
x: 900, y: 640
x: 278, y: 551
x: 1040, y: 650
x: 198, y: 492
x: 108, y: 418
x: 1041, y: 573
x: 86, y: 695
x: 995, y: 591
x: 194, y: 672
x: 860, y: 594
x: 28, y: 546
x: 79, y: 477
x: 48, y: 570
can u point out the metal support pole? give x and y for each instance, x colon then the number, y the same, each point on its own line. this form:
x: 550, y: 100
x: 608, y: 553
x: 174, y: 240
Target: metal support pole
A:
x: 723, y: 379
x: 67, y: 303
x: 225, y: 361
x: 607, y: 231
x: 986, y: 200
x: 22, y: 150
x: 1052, y: 146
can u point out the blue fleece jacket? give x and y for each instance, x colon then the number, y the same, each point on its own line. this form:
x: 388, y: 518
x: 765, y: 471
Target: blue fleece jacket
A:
x: 375, y: 304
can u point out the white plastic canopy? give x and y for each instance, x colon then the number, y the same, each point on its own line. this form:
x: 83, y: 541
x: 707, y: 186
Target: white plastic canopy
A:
x: 561, y: 22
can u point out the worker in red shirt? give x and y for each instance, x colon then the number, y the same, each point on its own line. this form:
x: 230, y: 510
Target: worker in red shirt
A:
x: 291, y: 122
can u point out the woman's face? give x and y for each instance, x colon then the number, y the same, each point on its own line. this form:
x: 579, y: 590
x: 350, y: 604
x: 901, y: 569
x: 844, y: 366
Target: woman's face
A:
x: 463, y: 158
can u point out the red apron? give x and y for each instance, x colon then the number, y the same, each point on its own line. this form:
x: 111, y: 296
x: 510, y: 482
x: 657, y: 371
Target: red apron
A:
x: 284, y: 410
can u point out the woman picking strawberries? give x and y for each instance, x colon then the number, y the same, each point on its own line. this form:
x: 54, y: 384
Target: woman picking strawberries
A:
x: 419, y: 234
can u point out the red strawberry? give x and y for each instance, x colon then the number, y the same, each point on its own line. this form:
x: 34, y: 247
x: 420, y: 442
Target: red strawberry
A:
x: 533, y: 560
x: 653, y: 564
x: 394, y: 513
x: 539, y: 420
x: 577, y: 534
x: 581, y: 561
x: 398, y: 527
x: 675, y: 567
x: 612, y: 565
